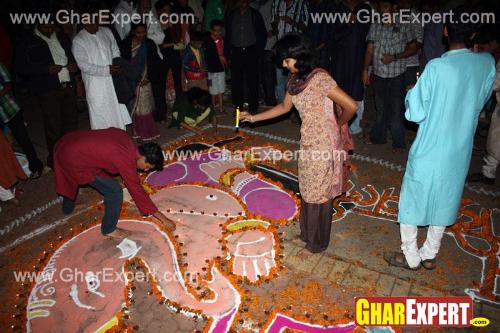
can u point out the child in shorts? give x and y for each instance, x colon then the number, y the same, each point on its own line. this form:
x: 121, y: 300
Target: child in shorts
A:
x: 216, y: 63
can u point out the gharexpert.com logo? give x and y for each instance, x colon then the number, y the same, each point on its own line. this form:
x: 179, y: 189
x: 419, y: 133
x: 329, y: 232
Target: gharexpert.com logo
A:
x: 449, y: 311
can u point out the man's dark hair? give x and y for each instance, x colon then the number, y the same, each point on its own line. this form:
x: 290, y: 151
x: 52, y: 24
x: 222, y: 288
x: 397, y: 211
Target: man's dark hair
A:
x: 298, y: 47
x: 216, y: 23
x: 459, y: 32
x: 153, y: 154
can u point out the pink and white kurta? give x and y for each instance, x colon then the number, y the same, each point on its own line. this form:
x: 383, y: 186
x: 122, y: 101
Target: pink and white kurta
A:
x: 321, y: 161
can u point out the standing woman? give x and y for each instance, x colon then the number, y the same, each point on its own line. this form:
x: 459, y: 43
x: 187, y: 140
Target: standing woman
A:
x: 313, y: 92
x: 142, y: 53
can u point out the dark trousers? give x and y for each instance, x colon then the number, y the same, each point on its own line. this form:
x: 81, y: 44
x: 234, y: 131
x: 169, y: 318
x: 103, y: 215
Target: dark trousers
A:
x: 113, y: 198
x: 316, y: 225
x: 389, y: 95
x: 244, y: 73
x: 267, y: 70
x: 174, y: 64
x: 18, y: 130
x: 411, y: 75
x: 60, y: 116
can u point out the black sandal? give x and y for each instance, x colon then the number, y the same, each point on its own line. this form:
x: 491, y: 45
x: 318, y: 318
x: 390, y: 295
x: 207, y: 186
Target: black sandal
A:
x: 392, y: 259
x: 429, y: 264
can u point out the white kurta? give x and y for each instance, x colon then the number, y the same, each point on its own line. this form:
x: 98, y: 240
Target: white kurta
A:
x: 94, y: 53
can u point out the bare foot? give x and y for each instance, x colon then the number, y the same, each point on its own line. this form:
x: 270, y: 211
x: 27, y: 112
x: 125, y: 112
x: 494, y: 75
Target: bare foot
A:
x: 297, y: 240
x: 304, y: 254
x: 118, y: 234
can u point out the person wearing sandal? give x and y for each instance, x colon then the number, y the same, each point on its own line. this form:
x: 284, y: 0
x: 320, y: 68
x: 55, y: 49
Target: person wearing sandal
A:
x: 445, y: 102
x: 313, y: 92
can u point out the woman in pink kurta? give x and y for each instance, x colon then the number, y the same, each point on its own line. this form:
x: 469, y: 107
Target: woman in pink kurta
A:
x: 321, y: 160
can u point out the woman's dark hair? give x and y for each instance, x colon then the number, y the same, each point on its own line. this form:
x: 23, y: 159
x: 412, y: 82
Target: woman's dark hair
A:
x: 459, y: 32
x: 298, y: 47
x: 153, y: 154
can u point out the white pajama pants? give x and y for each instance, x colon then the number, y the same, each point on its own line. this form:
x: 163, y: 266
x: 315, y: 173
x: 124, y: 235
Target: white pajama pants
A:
x: 409, y: 246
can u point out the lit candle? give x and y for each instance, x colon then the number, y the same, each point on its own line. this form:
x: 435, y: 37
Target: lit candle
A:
x: 237, y: 119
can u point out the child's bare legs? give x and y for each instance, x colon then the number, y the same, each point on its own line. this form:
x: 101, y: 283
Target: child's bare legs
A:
x: 214, y: 100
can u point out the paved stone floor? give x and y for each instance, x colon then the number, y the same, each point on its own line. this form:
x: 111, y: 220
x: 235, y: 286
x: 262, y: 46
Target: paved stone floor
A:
x: 320, y: 288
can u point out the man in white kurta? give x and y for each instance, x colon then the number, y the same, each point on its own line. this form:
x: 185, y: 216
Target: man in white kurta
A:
x: 94, y: 50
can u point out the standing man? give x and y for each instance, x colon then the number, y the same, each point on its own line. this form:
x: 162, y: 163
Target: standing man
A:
x: 389, y: 44
x: 246, y: 38
x: 95, y: 48
x: 45, y: 57
x: 417, y: 34
x: 445, y: 102
x: 92, y: 157
x: 267, y: 68
x: 288, y: 16
x: 348, y: 52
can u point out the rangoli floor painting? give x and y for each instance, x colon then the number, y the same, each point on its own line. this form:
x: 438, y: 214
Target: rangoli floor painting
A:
x: 226, y: 267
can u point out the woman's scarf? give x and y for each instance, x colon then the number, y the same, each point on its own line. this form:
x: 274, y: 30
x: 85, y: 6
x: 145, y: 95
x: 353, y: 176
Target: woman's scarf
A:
x: 296, y: 83
x: 140, y: 56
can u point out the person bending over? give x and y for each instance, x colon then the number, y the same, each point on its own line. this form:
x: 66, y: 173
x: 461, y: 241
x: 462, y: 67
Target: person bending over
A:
x: 93, y: 158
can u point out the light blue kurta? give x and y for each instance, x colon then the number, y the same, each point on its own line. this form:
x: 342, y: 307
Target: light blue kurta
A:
x: 445, y: 102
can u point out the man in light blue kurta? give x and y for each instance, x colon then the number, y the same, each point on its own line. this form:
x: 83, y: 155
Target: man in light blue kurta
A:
x: 445, y: 102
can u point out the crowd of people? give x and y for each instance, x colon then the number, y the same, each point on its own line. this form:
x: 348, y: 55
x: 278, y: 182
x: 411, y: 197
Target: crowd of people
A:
x: 278, y: 57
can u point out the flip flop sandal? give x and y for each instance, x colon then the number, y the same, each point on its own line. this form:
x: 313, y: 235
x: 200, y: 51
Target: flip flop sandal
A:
x: 429, y: 264
x: 391, y: 259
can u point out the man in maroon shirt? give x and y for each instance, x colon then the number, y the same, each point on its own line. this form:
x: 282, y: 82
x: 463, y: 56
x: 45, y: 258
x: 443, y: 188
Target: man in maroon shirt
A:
x: 93, y: 157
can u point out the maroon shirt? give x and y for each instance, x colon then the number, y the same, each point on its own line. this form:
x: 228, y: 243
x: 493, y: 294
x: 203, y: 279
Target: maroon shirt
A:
x: 80, y: 156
